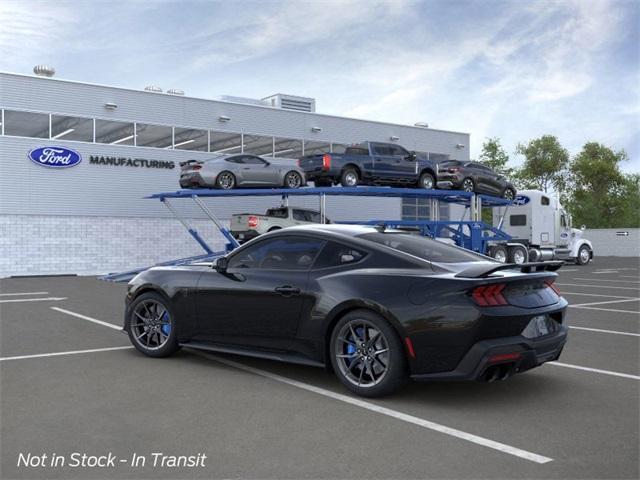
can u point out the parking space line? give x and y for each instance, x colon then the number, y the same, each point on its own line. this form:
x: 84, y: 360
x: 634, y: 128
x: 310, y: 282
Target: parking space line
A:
x: 569, y: 270
x: 533, y: 457
x: 594, y: 295
x: 595, y: 370
x: 604, y: 272
x: 599, y: 330
x: 89, y: 319
x: 599, y: 286
x: 605, y: 302
x: 606, y: 309
x: 22, y: 293
x: 604, y: 280
x: 58, y: 354
x: 47, y: 299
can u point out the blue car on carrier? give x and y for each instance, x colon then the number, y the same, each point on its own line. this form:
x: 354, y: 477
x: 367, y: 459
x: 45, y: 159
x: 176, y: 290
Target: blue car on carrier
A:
x: 371, y: 163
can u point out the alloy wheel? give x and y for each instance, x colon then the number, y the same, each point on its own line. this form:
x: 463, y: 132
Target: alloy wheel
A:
x: 508, y: 194
x: 519, y: 256
x: 427, y: 182
x: 151, y: 324
x: 467, y: 185
x: 584, y: 255
x: 351, y: 179
x: 362, y: 353
x: 293, y: 180
x: 226, y: 180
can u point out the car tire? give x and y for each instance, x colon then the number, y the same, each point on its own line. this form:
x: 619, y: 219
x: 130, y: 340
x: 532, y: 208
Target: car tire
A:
x: 293, y: 180
x: 151, y: 325
x: 225, y: 180
x: 468, y: 185
x: 427, y: 181
x: 584, y: 255
x: 499, y: 253
x: 368, y: 374
x: 518, y: 254
x: 349, y: 177
x: 509, y: 194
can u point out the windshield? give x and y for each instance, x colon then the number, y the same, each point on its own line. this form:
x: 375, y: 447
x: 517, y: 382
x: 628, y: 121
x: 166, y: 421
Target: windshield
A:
x: 423, y: 247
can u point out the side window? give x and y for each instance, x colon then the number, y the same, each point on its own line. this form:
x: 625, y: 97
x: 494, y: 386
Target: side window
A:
x: 282, y: 253
x: 313, y: 217
x: 399, y: 152
x: 518, y: 220
x: 234, y: 160
x: 563, y: 221
x: 251, y: 160
x: 335, y: 255
x: 300, y: 215
x: 544, y: 200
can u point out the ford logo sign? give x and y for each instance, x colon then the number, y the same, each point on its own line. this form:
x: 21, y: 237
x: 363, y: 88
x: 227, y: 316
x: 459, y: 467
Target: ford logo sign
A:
x: 521, y: 200
x: 55, y: 157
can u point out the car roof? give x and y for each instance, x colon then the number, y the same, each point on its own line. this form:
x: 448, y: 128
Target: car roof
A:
x: 343, y: 229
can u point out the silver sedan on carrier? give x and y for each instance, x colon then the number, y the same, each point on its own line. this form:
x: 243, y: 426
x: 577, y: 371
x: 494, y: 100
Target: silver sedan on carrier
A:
x: 241, y: 170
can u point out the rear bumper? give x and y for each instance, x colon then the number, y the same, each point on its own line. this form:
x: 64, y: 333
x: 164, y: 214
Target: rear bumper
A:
x: 192, y: 180
x: 449, y: 181
x: 478, y: 363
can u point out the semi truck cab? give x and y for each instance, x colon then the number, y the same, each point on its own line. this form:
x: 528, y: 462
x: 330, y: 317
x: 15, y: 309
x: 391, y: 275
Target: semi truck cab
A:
x: 541, y: 229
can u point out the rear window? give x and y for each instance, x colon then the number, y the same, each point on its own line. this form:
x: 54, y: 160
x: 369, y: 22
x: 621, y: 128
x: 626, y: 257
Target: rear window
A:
x: 423, y: 247
x: 450, y: 163
x: 356, y: 151
x: 277, y: 212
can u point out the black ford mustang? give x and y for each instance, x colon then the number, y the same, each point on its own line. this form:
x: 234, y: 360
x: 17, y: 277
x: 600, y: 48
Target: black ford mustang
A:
x: 376, y: 306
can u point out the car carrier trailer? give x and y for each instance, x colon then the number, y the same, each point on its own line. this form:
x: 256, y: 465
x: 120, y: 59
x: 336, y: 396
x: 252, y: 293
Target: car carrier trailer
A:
x: 469, y: 232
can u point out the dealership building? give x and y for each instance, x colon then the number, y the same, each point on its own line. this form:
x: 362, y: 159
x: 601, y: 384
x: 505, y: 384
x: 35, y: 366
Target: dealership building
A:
x: 93, y: 217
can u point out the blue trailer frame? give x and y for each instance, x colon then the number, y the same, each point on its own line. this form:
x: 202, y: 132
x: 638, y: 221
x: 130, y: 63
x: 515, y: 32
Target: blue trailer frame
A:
x: 472, y: 234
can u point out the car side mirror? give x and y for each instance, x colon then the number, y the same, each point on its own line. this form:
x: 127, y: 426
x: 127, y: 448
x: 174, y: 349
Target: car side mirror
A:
x: 412, y: 156
x: 221, y: 265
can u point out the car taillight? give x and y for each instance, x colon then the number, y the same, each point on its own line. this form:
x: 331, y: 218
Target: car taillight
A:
x: 299, y: 162
x: 551, y: 284
x: 326, y: 161
x: 453, y: 170
x: 196, y: 167
x: 489, y: 295
x: 253, y: 221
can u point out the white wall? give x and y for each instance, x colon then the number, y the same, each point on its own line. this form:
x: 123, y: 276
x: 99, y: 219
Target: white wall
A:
x: 608, y: 242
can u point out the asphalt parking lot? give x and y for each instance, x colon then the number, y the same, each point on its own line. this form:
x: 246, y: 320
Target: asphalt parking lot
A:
x: 70, y: 382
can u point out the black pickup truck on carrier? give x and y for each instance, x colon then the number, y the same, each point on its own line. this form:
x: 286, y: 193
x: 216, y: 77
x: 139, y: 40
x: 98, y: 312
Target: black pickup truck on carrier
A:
x: 371, y: 163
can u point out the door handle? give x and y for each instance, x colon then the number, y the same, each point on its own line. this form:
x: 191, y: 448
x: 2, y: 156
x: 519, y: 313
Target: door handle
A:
x: 287, y: 290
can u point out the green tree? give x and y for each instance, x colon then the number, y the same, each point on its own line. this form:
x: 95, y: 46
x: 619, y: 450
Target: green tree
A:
x: 600, y: 195
x: 494, y: 156
x: 545, y: 164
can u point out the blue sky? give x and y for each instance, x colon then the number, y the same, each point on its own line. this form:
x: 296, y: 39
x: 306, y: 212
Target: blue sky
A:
x: 515, y: 70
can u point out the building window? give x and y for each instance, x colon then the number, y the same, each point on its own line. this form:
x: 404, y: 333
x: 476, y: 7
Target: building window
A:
x: 114, y: 133
x: 26, y: 124
x: 258, y: 145
x: 190, y: 139
x: 315, y: 148
x: 287, y: 148
x: 157, y: 136
x: 71, y: 128
x: 225, y: 142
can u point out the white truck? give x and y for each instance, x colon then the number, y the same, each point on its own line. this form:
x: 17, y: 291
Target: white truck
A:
x: 245, y: 226
x: 540, y: 229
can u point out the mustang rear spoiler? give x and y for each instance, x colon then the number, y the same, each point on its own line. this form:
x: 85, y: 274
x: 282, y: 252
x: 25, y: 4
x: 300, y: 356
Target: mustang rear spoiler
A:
x: 484, y: 270
x: 188, y: 162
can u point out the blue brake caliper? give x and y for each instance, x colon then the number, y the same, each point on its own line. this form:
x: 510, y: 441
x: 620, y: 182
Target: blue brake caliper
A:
x: 351, y: 347
x: 166, y: 328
